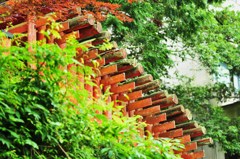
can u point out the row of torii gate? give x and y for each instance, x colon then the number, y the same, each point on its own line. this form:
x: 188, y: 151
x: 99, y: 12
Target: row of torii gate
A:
x: 125, y: 78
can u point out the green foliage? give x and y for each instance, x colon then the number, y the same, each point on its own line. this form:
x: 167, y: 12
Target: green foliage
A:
x: 157, y: 22
x: 46, y: 113
x: 221, y: 45
x: 105, y: 46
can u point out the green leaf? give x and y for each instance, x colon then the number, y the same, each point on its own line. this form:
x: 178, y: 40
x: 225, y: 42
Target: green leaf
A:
x: 31, y: 143
x: 5, y: 141
x: 12, y: 118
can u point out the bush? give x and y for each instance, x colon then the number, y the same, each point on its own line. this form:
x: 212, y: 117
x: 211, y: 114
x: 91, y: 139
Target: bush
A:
x: 46, y: 113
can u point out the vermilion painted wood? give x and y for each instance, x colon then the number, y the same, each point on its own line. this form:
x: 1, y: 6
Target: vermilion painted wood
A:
x: 144, y: 79
x: 182, y: 118
x: 204, y: 141
x: 115, y: 56
x: 138, y: 71
x: 102, y: 38
x: 105, y: 88
x: 80, y: 22
x: 124, y: 67
x: 156, y: 119
x: 148, y: 86
x: 163, y: 127
x: 98, y: 42
x: 139, y: 104
x: 114, y: 99
x: 141, y: 131
x: 123, y: 88
x: 159, y: 95
x: 95, y: 63
x: 187, y: 125
x: 40, y: 35
x: 148, y: 111
x: 90, y: 31
x: 108, y: 70
x: 32, y: 33
x: 169, y: 100
x: 23, y: 27
x: 80, y: 52
x: 89, y: 88
x: 108, y: 113
x: 131, y: 113
x: 44, y: 19
x: 64, y: 26
x: 130, y: 96
x: 113, y: 79
x: 20, y: 28
x: 104, y: 52
x: 6, y: 43
x: 193, y: 155
x: 96, y: 90
x: 138, y: 80
x: 156, y: 96
x: 148, y: 129
x: 41, y: 21
x: 63, y: 45
x: 187, y: 156
x: 190, y: 146
x: 124, y: 109
x: 71, y: 68
x: 172, y: 133
x: 185, y: 139
x: 198, y: 154
x: 195, y: 132
x: 66, y: 36
x: 80, y: 78
x: 174, y: 111
x: 91, y: 54
x: 50, y: 40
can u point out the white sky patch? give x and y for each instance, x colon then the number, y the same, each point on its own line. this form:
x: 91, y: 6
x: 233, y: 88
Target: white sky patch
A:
x: 232, y: 4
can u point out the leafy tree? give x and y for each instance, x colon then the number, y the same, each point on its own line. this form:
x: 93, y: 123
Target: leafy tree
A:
x: 222, y: 43
x: 155, y: 23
